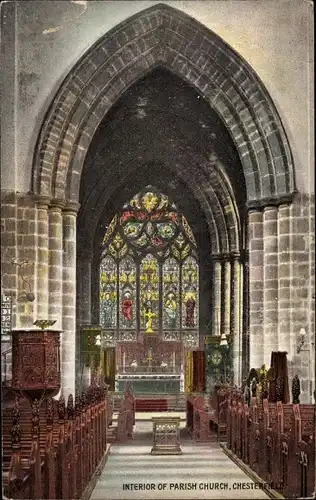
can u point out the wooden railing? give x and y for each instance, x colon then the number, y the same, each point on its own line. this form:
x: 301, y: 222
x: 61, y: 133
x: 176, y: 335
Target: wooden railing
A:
x: 276, y: 440
x: 208, y: 413
x: 61, y: 466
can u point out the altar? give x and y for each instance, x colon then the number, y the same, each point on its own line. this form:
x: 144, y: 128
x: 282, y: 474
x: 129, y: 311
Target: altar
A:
x: 151, y: 366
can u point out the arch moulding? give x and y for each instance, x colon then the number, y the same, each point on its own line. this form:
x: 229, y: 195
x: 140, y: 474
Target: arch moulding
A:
x: 162, y: 36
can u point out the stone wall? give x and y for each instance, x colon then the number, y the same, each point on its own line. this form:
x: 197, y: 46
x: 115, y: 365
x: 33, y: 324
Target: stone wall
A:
x: 38, y: 243
x: 281, y: 286
x: 42, y: 42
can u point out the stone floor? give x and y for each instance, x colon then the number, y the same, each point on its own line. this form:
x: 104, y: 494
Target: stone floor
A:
x: 202, y: 472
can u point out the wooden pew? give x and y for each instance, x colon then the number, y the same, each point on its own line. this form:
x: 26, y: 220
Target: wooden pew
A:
x: 62, y: 465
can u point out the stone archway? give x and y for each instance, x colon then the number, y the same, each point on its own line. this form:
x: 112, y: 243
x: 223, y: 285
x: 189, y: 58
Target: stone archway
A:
x: 162, y: 37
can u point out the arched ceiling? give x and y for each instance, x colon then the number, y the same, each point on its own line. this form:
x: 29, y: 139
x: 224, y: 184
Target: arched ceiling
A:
x: 162, y: 36
x: 162, y: 129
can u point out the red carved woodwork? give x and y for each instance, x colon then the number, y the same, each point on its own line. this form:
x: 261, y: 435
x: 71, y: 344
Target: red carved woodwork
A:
x: 35, y: 361
x: 160, y: 350
x: 270, y: 439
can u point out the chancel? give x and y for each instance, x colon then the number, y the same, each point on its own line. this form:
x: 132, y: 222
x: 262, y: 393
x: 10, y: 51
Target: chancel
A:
x: 157, y: 247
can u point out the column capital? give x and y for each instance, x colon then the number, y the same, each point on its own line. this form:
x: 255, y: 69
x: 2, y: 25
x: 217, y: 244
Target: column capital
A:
x: 57, y: 204
x: 235, y: 256
x: 258, y: 205
x: 269, y: 208
x: 71, y: 207
x: 225, y: 257
x: 216, y: 258
x: 42, y: 201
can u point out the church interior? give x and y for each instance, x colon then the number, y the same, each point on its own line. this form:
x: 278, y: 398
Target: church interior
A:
x: 157, y: 250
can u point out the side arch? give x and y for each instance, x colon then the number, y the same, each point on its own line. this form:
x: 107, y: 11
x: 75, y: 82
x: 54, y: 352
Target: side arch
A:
x: 162, y: 36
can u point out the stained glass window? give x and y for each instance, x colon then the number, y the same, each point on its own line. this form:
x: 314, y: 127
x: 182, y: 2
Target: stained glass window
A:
x: 149, y: 278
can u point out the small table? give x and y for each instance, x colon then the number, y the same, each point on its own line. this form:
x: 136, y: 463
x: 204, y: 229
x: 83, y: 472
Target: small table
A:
x: 166, y: 432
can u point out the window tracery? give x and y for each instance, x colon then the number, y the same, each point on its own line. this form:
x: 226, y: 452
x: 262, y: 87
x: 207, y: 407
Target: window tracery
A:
x: 149, y: 278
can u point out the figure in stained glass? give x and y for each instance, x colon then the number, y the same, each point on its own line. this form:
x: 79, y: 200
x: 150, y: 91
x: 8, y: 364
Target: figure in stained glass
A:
x: 170, y: 292
x: 190, y: 293
x: 171, y: 309
x: 127, y: 285
x: 189, y: 310
x: 108, y: 281
x: 108, y: 311
x: 149, y: 275
x: 127, y: 309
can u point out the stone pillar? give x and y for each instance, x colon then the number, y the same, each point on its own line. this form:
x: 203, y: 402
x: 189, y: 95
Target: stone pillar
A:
x: 255, y: 225
x: 217, y: 286
x: 68, y: 344
x: 270, y: 274
x: 235, y: 321
x: 86, y: 290
x: 85, y: 305
x: 55, y: 262
x: 227, y: 294
x: 42, y: 258
x: 286, y: 342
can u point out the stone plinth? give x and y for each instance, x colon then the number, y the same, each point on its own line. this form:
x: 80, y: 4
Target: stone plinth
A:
x: 166, y: 432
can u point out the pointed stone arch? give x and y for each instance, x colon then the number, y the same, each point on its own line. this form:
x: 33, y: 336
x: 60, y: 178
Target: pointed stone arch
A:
x: 162, y: 36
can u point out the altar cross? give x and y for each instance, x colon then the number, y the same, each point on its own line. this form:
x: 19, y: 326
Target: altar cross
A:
x: 149, y: 325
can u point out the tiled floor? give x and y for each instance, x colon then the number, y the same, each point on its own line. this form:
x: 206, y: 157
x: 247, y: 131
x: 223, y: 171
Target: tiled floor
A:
x: 205, y: 469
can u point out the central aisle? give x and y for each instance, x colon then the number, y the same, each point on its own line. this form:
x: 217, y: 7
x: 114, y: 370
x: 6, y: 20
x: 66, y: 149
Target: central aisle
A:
x: 204, y: 468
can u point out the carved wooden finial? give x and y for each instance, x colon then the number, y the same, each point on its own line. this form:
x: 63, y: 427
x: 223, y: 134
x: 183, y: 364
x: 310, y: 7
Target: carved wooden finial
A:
x: 296, y: 389
x: 265, y: 388
x: 61, y: 408
x: 84, y: 400
x: 254, y: 387
x: 279, y: 389
x: 70, y: 407
x: 77, y: 405
x: 49, y: 412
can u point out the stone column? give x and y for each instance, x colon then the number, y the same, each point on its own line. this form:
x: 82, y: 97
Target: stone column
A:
x: 42, y: 258
x: 217, y: 286
x: 235, y: 320
x: 227, y: 295
x: 286, y: 342
x: 86, y: 290
x: 68, y: 344
x: 85, y: 305
x: 55, y: 263
x: 270, y: 275
x: 255, y: 225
